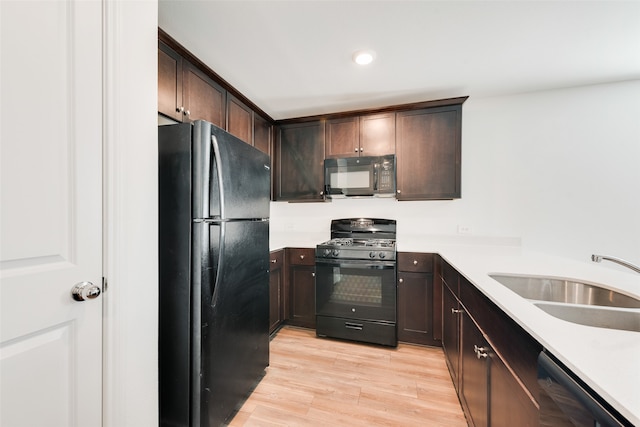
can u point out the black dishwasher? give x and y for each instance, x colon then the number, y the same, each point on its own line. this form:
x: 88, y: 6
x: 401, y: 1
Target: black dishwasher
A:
x: 566, y: 401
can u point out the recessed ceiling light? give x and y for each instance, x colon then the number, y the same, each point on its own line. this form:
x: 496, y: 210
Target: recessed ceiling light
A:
x: 364, y: 57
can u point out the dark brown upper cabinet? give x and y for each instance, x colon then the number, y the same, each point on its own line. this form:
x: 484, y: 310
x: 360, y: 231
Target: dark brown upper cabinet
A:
x: 188, y: 90
x: 378, y: 134
x: 262, y: 134
x: 428, y: 153
x: 185, y: 93
x: 343, y: 137
x: 169, y: 83
x: 370, y: 135
x: 203, y: 98
x: 299, y: 162
x: 239, y: 119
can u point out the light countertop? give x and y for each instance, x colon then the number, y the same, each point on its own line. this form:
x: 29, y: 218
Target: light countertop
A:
x: 608, y: 360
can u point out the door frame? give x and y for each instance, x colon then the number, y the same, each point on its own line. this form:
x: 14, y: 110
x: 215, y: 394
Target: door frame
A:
x: 130, y: 235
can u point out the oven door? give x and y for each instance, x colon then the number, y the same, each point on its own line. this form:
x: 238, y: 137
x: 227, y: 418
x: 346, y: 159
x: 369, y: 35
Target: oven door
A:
x: 356, y: 289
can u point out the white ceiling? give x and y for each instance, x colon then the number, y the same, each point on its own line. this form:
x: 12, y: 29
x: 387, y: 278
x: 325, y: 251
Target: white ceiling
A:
x: 293, y: 58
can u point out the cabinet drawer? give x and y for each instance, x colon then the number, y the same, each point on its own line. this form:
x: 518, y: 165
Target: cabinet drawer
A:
x: 415, y: 262
x: 276, y: 259
x: 301, y: 256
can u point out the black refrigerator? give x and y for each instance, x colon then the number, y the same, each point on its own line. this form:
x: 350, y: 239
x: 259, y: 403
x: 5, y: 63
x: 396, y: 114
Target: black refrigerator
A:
x: 213, y: 273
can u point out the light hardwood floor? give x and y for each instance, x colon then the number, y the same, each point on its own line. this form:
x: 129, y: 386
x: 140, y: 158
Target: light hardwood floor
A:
x: 324, y: 382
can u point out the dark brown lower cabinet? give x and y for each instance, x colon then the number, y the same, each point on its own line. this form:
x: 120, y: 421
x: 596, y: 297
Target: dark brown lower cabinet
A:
x: 417, y: 316
x: 276, y: 290
x: 302, y: 287
x: 491, y: 359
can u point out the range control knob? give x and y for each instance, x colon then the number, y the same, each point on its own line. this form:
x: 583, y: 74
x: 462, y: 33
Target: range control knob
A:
x: 382, y: 255
x: 372, y: 254
x: 336, y: 252
x: 327, y: 252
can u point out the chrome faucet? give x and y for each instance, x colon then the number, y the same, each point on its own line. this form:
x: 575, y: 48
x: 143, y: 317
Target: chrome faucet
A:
x: 598, y: 258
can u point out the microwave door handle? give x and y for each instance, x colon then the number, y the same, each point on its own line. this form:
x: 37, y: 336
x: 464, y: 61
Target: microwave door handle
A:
x: 375, y: 177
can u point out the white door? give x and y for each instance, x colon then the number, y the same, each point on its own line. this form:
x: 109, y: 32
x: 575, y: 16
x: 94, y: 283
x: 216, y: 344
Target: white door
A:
x: 50, y: 212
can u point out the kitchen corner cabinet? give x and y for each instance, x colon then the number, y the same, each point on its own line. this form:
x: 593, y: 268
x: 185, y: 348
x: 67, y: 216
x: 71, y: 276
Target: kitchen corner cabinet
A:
x: 301, y: 287
x: 368, y: 135
x: 299, y: 151
x: 418, y: 316
x: 276, y: 290
x: 493, y: 362
x: 428, y: 153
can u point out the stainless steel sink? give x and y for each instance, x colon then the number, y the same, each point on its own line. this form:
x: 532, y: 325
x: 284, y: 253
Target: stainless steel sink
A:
x: 565, y: 291
x: 601, y: 317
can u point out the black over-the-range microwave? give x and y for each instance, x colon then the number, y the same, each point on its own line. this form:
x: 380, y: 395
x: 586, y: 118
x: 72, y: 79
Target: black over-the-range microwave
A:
x: 360, y: 176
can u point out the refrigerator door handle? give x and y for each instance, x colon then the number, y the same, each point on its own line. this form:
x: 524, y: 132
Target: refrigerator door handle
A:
x: 220, y: 266
x: 215, y: 165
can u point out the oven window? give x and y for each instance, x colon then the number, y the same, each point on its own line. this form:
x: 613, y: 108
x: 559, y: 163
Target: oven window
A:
x: 356, y: 288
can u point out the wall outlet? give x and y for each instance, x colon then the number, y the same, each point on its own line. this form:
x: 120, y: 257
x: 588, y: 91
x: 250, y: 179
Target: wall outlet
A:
x: 464, y: 229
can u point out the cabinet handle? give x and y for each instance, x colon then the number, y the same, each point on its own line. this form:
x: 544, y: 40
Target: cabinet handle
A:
x: 187, y: 112
x: 179, y: 109
x: 481, y: 352
x: 313, y: 274
x: 273, y: 261
x: 301, y: 256
x: 401, y: 280
x: 398, y: 191
x: 356, y: 150
x: 456, y: 311
x: 415, y: 262
x: 361, y: 149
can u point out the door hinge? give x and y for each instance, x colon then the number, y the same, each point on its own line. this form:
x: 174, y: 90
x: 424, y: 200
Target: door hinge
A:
x: 104, y: 284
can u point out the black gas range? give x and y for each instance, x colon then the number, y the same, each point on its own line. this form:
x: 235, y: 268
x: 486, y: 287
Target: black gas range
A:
x: 356, y: 281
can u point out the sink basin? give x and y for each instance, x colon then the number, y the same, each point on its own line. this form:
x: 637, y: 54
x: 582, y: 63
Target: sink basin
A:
x: 601, y: 317
x: 565, y: 291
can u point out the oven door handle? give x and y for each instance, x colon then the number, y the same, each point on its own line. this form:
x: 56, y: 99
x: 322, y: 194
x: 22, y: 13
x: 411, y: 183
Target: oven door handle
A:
x: 381, y: 265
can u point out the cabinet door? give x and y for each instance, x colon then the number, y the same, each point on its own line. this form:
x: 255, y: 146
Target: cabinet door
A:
x: 475, y: 359
x: 428, y: 153
x: 378, y: 134
x: 510, y: 405
x: 203, y: 98
x: 450, y: 333
x: 262, y: 131
x: 343, y: 137
x: 300, y: 162
x: 276, y: 290
x: 415, y: 307
x: 239, y: 119
x: 169, y: 82
x: 303, y: 296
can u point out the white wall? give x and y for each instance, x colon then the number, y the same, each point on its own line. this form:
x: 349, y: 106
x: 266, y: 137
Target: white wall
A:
x: 558, y: 171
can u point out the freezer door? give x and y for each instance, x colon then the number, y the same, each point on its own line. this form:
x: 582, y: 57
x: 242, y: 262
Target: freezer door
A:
x: 232, y: 342
x: 231, y: 179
